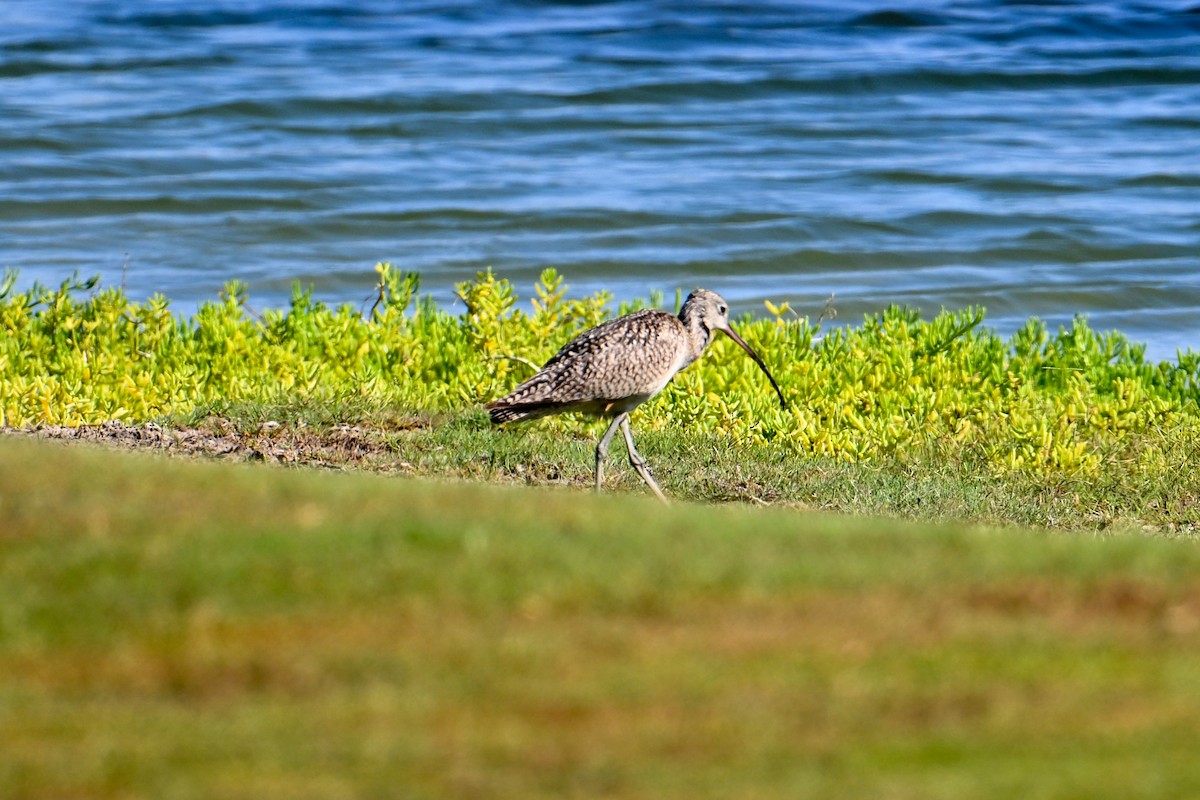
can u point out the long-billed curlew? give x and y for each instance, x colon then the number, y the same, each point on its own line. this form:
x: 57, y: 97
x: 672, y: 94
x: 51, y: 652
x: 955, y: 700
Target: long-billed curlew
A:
x: 611, y: 369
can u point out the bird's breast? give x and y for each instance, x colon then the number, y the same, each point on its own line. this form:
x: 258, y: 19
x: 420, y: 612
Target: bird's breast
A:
x: 680, y: 359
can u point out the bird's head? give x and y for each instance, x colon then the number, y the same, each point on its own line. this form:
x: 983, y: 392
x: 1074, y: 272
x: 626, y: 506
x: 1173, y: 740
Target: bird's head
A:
x: 705, y: 312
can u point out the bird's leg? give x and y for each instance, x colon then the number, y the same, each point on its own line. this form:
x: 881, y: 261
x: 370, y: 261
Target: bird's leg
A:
x: 602, y: 447
x: 636, y: 460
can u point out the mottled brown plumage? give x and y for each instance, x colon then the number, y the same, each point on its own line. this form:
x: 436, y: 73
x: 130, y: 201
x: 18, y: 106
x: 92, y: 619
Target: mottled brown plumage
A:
x: 613, y: 368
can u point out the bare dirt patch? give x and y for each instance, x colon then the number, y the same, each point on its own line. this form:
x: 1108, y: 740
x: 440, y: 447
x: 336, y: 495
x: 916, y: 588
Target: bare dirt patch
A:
x: 338, y: 446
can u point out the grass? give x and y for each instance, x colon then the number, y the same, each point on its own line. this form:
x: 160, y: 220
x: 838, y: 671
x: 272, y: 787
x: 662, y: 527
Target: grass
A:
x: 692, y: 464
x: 182, y: 629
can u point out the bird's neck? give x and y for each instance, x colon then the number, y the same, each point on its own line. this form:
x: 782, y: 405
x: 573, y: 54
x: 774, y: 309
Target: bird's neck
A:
x: 698, y: 335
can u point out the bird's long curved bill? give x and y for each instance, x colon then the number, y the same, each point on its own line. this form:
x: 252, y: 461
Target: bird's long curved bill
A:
x: 750, y: 351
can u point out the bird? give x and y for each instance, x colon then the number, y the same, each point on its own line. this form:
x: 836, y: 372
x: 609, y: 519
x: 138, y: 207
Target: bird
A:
x: 611, y: 369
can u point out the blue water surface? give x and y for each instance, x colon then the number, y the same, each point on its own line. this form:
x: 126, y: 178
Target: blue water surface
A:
x: 1039, y: 159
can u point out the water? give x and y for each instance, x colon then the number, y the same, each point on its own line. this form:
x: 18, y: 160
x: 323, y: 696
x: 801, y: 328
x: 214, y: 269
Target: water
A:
x: 1039, y: 159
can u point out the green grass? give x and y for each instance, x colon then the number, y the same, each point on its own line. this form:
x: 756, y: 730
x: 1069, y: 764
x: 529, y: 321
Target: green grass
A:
x: 692, y: 464
x: 173, y: 629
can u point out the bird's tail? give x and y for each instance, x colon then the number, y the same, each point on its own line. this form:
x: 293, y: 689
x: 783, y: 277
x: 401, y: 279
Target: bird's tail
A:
x: 501, y: 412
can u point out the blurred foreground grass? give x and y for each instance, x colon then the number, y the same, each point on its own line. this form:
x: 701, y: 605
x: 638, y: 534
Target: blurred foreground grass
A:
x: 182, y: 629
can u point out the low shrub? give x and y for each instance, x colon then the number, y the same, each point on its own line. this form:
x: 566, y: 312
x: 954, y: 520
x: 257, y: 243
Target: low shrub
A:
x: 895, y: 387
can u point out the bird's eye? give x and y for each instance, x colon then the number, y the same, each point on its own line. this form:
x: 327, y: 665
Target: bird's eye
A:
x: 722, y: 310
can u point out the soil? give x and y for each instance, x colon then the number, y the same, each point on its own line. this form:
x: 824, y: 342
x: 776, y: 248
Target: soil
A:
x: 334, y: 447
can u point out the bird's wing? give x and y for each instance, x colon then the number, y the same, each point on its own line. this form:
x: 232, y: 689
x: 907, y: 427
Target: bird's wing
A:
x: 625, y: 357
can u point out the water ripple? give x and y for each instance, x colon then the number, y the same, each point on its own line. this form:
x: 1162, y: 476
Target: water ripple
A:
x: 1039, y: 159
